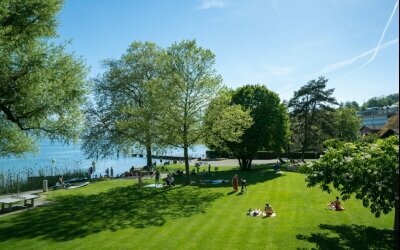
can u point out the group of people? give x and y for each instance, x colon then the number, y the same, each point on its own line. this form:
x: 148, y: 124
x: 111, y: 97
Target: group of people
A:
x: 109, y: 171
x: 235, y: 183
x: 267, y: 212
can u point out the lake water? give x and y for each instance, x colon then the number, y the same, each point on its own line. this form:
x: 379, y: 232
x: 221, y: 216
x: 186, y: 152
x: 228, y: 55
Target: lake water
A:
x: 55, y: 157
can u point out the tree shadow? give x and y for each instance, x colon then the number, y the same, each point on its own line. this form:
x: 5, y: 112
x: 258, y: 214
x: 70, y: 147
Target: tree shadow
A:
x: 77, y: 216
x: 351, y: 237
x: 257, y: 174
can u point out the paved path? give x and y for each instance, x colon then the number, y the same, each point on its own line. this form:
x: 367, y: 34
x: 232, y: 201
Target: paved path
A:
x: 235, y: 162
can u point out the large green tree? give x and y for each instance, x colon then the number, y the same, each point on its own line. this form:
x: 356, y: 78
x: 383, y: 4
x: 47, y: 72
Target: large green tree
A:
x: 193, y: 83
x: 370, y: 171
x: 310, y: 109
x: 346, y: 124
x: 269, y: 129
x: 127, y: 103
x: 225, y: 123
x: 42, y: 87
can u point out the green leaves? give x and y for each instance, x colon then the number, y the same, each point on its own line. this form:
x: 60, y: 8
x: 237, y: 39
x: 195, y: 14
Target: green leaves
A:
x: 310, y: 109
x: 370, y: 171
x: 247, y: 120
x: 128, y: 103
x: 225, y: 123
x: 42, y: 88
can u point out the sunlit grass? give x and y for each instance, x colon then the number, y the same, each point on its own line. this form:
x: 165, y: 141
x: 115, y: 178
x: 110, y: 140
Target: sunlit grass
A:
x: 116, y: 214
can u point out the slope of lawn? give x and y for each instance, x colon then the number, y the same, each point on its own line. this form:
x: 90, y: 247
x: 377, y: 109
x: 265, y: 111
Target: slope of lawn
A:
x: 116, y: 214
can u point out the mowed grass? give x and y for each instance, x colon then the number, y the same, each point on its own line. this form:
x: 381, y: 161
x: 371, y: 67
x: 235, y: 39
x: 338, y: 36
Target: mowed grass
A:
x: 116, y: 214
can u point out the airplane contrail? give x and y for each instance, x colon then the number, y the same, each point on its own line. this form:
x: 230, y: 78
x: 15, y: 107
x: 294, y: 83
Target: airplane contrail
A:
x: 382, y: 36
x: 378, y: 47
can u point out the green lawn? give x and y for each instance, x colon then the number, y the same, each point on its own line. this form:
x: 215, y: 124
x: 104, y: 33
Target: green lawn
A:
x: 115, y: 214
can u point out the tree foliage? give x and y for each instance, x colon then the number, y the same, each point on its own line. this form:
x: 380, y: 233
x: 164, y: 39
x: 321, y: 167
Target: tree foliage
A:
x: 351, y: 104
x: 225, y: 123
x: 270, y: 127
x: 42, y: 87
x: 370, y: 171
x: 193, y: 83
x: 381, y: 101
x: 311, y: 112
x: 346, y: 124
x: 127, y: 103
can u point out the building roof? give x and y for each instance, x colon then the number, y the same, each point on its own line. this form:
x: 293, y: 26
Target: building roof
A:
x: 372, y: 127
x: 389, y: 132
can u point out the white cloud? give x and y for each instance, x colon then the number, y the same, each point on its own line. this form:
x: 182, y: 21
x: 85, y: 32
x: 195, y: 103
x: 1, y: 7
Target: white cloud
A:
x: 212, y: 4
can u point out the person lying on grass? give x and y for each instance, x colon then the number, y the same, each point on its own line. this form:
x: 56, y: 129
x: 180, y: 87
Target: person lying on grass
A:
x: 254, y: 212
x: 335, y: 205
x: 268, y: 211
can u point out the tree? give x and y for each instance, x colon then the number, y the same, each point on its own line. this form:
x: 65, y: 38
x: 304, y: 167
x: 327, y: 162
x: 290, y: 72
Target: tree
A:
x: 193, y: 83
x: 370, y: 171
x: 346, y: 124
x: 381, y: 101
x: 225, y: 123
x: 352, y: 104
x: 311, y: 107
x: 42, y: 87
x: 127, y: 103
x: 270, y: 128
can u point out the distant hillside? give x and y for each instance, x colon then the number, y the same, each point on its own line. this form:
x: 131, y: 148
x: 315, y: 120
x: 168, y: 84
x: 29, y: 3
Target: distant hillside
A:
x: 382, y: 101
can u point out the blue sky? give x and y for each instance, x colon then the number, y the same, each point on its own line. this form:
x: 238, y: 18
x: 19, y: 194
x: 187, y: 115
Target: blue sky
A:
x: 281, y: 44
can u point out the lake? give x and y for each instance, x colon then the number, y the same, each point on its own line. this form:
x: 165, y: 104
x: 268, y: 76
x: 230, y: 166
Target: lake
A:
x: 54, y: 157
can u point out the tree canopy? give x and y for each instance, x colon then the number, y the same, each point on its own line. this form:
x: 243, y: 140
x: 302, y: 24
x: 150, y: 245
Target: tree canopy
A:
x: 268, y: 128
x: 225, y: 123
x: 311, y: 112
x: 346, y: 124
x: 370, y: 171
x: 127, y: 103
x: 42, y: 87
x: 382, y: 101
x: 193, y: 83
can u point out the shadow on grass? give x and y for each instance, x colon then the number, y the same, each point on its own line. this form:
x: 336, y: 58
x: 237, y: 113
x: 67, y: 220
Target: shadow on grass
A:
x: 257, y: 174
x: 77, y: 216
x: 350, y: 237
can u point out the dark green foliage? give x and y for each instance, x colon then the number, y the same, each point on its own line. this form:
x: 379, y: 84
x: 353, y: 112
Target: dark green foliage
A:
x: 42, y: 87
x: 311, y: 114
x: 346, y: 124
x: 353, y: 105
x: 381, y: 101
x: 270, y: 128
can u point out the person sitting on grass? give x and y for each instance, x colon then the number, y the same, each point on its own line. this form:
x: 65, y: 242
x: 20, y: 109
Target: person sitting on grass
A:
x: 268, y: 211
x: 335, y: 205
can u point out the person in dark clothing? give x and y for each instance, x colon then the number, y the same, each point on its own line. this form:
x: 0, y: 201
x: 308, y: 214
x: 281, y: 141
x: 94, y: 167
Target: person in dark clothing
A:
x: 244, y: 184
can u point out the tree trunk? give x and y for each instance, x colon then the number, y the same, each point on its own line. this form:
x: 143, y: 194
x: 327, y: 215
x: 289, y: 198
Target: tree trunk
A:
x: 244, y: 163
x: 304, y: 147
x: 149, y: 158
x: 186, y: 157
